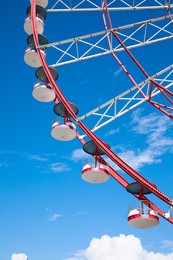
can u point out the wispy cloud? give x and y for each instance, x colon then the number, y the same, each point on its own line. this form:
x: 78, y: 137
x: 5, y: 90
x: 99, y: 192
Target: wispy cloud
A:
x: 157, y: 140
x: 47, y: 167
x: 4, y: 165
x: 79, y: 213
x: 136, y: 159
x: 78, y: 154
x: 82, y: 82
x: 9, y: 152
x: 59, y: 167
x: 28, y: 156
x: 112, y: 132
x: 36, y: 157
x: 167, y: 244
x: 54, y: 217
x: 153, y: 124
x: 117, y: 72
x: 156, y: 127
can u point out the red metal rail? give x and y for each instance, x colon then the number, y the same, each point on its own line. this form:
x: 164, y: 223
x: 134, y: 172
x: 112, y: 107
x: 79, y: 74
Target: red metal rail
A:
x: 163, y: 108
x: 92, y: 136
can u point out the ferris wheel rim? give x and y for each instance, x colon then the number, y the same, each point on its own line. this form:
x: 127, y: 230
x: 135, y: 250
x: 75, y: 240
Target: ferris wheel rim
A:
x: 93, y: 137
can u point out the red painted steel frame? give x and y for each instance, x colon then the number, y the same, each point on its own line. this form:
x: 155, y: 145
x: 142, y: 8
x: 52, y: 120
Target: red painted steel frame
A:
x: 160, y: 87
x: 98, y: 142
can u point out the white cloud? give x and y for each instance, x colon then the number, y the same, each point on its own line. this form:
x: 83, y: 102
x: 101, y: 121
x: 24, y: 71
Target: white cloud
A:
x: 154, y: 124
x: 54, y: 217
x: 138, y: 159
x: 19, y: 257
x: 120, y: 247
x: 117, y: 72
x: 78, y: 154
x: 9, y: 152
x: 26, y: 155
x: 112, y: 132
x: 167, y: 244
x: 79, y: 213
x: 155, y: 128
x: 59, y: 167
x: 36, y: 157
x: 4, y: 165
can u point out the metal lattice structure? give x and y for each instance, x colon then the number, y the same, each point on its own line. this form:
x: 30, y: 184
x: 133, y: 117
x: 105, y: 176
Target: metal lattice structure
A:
x: 134, y: 35
x: 111, y: 41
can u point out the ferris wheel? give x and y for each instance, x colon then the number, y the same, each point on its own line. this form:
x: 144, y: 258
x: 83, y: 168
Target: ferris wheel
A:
x: 137, y: 24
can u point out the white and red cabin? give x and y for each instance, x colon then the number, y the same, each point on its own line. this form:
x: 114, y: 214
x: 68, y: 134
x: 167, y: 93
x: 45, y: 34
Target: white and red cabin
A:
x: 28, y: 25
x: 41, y: 14
x: 63, y: 132
x: 95, y: 174
x: 32, y: 58
x: 143, y: 216
x: 43, y: 92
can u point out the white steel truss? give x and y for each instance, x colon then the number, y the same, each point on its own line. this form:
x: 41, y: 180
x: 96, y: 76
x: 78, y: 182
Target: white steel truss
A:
x: 130, y: 99
x: 113, y: 5
x: 94, y: 45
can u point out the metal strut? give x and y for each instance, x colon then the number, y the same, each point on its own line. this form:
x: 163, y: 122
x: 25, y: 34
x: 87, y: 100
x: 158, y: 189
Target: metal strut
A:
x: 164, y: 92
x: 98, y: 142
x: 114, y: 5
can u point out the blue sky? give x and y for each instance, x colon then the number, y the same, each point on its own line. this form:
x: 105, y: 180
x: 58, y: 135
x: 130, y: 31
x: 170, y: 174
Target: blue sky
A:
x: 47, y: 210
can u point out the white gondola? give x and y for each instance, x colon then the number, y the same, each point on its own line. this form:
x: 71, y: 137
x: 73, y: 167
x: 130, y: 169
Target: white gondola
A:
x: 32, y: 58
x: 28, y: 25
x: 43, y: 93
x: 42, y: 3
x: 97, y: 174
x: 63, y: 132
x: 140, y: 218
